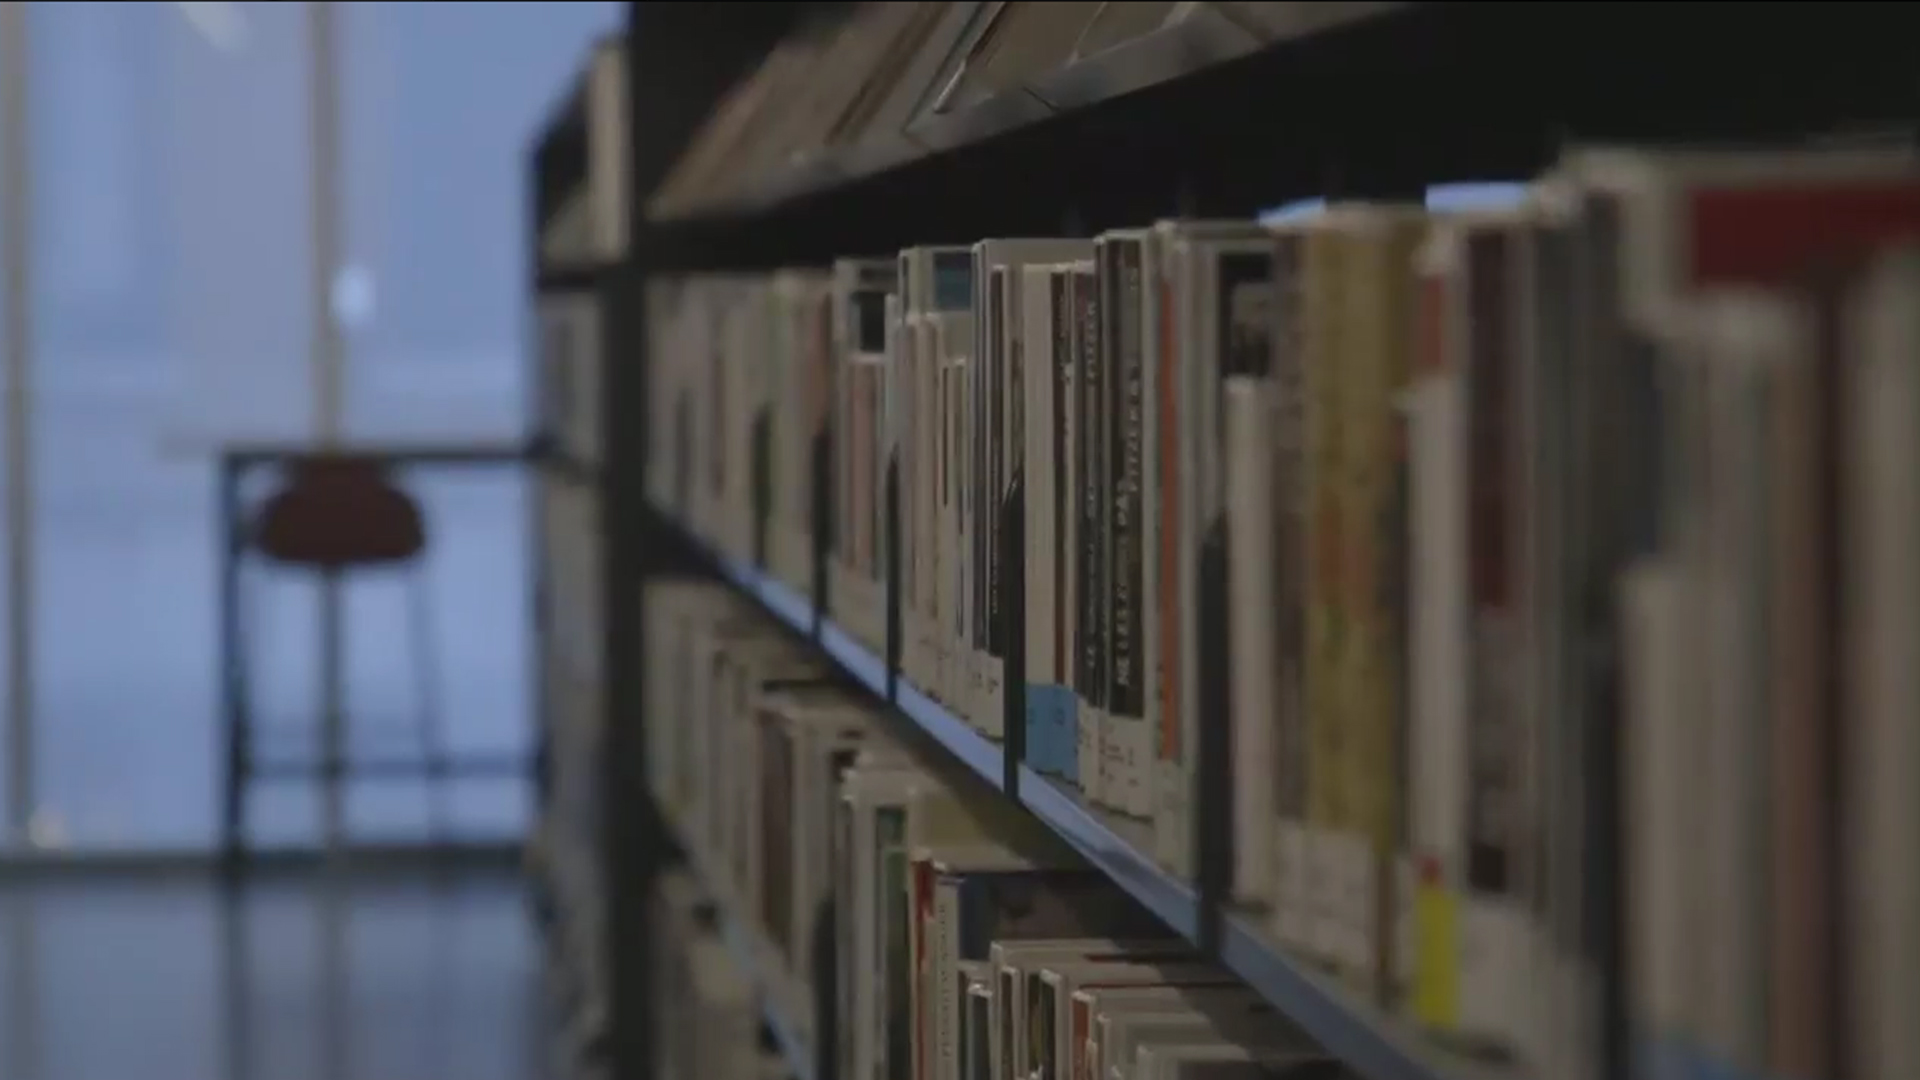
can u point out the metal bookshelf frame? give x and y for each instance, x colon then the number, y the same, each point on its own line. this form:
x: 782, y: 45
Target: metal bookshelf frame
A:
x: 1380, y: 104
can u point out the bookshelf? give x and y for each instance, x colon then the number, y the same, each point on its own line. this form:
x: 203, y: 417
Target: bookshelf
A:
x: 1374, y: 1045
x: 1239, y: 108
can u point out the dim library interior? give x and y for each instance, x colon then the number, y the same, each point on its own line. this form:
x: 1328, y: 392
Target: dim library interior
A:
x: 1136, y: 541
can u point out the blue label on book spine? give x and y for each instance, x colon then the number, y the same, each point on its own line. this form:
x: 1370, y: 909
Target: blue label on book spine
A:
x: 1064, y: 742
x: 1036, y: 721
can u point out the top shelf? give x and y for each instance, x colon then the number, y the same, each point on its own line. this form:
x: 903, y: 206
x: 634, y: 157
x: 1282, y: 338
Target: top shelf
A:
x: 1204, y: 35
x: 1210, y: 116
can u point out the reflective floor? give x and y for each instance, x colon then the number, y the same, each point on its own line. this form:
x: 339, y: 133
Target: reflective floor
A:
x: 306, y: 976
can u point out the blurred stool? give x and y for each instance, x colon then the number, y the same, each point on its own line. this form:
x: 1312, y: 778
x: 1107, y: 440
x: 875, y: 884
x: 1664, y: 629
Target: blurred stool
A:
x: 336, y: 515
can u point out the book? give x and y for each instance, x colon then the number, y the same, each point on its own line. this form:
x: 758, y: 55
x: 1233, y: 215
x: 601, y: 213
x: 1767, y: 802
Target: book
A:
x: 1054, y: 1043
x: 871, y: 906
x: 1882, y: 886
x: 860, y: 442
x: 1015, y: 961
x: 1091, y: 442
x: 1123, y: 740
x: 1471, y: 980
x: 1252, y: 634
x: 1000, y: 335
x: 977, y: 899
x: 1121, y: 1026
x: 1044, y: 349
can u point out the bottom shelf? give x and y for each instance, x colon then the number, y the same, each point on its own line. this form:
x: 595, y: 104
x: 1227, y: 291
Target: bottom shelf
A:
x: 741, y: 943
x: 1373, y: 1042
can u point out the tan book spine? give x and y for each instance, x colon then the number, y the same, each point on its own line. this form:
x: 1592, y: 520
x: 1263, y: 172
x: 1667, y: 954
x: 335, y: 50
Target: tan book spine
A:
x: 1323, y: 322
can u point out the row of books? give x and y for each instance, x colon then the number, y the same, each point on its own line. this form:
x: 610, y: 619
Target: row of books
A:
x: 876, y: 75
x: 1547, y: 565
x: 917, y: 926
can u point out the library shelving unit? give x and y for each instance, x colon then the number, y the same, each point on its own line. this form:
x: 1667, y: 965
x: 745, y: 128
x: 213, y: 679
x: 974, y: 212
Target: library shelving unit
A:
x: 1238, y: 108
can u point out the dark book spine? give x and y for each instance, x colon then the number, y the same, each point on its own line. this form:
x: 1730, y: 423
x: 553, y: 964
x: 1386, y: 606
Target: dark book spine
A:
x: 1125, y: 448
x: 1091, y: 535
x: 978, y: 366
x: 988, y: 633
x: 1058, y: 754
x: 1063, y: 503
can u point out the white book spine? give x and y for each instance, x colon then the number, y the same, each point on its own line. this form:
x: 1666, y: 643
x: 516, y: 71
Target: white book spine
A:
x: 1883, y: 590
x: 1659, y: 768
x: 916, y: 499
x: 1439, y: 666
x: 1036, y: 372
x: 945, y: 974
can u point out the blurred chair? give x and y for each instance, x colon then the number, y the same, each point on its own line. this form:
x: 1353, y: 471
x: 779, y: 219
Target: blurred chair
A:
x: 336, y: 515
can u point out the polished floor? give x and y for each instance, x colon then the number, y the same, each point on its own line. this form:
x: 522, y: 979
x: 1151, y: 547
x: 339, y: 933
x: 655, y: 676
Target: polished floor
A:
x: 303, y: 976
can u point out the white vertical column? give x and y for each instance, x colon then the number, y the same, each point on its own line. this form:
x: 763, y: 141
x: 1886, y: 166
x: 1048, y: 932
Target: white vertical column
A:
x: 16, y: 268
x: 327, y: 359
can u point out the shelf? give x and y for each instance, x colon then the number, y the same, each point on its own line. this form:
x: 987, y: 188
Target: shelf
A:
x: 1375, y: 1046
x: 955, y: 735
x: 1172, y: 900
x: 1174, y: 52
x: 739, y: 941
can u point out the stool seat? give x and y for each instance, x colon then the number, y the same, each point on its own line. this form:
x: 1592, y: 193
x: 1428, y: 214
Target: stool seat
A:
x: 339, y: 513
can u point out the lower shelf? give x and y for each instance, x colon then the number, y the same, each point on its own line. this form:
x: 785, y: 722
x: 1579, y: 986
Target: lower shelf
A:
x: 739, y: 940
x: 1374, y: 1044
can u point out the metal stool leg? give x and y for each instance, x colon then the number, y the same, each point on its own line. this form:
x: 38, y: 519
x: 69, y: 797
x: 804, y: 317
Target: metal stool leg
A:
x: 233, y: 687
x: 432, y: 729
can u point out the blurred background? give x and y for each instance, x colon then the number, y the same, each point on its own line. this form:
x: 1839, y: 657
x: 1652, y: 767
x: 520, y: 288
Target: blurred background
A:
x: 172, y: 264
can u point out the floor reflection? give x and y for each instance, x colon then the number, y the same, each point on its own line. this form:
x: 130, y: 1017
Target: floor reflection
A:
x: 313, y: 976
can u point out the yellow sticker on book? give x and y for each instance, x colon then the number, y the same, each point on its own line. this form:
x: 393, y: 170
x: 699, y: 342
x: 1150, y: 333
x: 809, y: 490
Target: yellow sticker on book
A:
x: 1436, y: 975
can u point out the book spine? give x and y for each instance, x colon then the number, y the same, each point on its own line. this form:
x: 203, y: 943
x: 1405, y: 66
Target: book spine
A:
x: 1079, y: 1037
x: 979, y: 478
x: 926, y: 503
x: 1380, y: 289
x: 1087, y: 536
x: 1438, y: 660
x: 1173, y: 544
x: 1323, y: 322
x: 1001, y: 462
x: 1059, y: 744
x: 858, y: 915
x: 960, y: 458
x: 1006, y: 1022
x: 948, y: 530
x: 901, y: 362
x: 1251, y: 615
x: 924, y: 943
x: 1288, y: 550
x: 948, y: 983
x: 875, y: 531
x: 981, y: 455
x: 1126, y: 744
x: 1880, y: 880
x: 1146, y: 764
x: 1034, y: 382
x: 1242, y: 287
